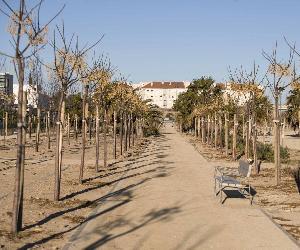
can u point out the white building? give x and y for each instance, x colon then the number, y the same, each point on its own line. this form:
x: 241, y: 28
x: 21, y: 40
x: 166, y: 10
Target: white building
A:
x: 32, y: 96
x: 240, y: 97
x: 162, y: 94
x: 6, y: 83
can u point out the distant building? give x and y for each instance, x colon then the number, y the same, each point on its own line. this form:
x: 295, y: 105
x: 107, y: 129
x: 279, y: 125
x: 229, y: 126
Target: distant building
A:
x: 240, y: 97
x: 162, y: 94
x: 6, y: 83
x: 33, y: 97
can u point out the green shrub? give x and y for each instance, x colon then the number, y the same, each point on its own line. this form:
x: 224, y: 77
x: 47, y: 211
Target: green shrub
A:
x: 284, y: 154
x: 151, y: 131
x: 265, y: 152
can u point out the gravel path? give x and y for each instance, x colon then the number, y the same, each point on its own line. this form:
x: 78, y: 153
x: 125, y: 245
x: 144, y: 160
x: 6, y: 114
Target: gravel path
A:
x: 171, y: 205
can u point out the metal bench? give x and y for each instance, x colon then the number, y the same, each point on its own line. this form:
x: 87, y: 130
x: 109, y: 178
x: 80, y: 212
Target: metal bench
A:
x: 225, y: 180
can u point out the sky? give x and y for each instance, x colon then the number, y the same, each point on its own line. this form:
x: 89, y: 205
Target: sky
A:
x: 174, y: 39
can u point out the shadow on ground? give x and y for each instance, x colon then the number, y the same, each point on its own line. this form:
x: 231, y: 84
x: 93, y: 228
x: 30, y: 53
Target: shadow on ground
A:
x: 148, y: 165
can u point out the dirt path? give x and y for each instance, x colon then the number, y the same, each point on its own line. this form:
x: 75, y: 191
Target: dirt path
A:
x: 173, y: 207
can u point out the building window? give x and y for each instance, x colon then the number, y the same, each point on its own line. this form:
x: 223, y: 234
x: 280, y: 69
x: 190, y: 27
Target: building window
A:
x: 165, y: 103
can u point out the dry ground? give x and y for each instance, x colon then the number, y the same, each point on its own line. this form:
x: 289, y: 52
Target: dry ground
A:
x: 173, y: 206
x: 281, y: 202
x: 47, y: 224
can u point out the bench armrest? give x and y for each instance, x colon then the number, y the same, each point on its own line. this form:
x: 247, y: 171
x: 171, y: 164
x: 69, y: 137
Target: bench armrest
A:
x: 218, y: 171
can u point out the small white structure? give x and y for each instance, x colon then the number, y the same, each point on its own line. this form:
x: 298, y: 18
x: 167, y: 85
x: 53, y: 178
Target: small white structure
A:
x: 32, y: 96
x: 162, y: 94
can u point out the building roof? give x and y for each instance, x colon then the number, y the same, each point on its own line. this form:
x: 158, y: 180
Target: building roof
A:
x: 164, y: 85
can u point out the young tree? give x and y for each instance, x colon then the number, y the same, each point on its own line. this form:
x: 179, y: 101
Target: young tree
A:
x: 69, y: 63
x: 26, y: 33
x: 249, y: 92
x: 35, y: 89
x: 99, y: 76
x: 280, y: 76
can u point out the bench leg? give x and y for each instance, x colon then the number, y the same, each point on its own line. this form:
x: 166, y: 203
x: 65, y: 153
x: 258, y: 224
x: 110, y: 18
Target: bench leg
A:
x: 251, y: 196
x: 215, y: 188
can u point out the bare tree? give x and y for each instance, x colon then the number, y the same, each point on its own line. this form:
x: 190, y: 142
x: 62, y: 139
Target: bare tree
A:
x: 26, y: 33
x: 249, y: 88
x: 67, y: 70
x: 281, y: 74
x: 35, y: 90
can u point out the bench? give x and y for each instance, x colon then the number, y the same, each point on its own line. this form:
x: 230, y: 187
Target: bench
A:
x: 225, y: 180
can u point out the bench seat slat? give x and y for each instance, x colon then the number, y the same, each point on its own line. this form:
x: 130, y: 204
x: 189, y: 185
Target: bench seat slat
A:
x: 228, y: 180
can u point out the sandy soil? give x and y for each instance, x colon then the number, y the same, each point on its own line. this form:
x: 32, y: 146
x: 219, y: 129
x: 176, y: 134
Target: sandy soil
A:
x: 159, y: 197
x: 281, y: 202
x: 290, y: 139
x: 48, y: 224
x: 172, y: 206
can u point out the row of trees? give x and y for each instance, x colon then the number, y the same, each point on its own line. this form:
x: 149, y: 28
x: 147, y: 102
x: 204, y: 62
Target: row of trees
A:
x: 216, y: 111
x: 105, y: 99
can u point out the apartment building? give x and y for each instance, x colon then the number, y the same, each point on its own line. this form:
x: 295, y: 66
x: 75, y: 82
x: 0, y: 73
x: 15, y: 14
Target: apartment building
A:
x: 6, y: 83
x: 162, y: 94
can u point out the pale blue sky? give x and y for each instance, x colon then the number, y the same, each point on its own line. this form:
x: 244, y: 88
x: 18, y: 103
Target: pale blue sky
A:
x: 178, y: 40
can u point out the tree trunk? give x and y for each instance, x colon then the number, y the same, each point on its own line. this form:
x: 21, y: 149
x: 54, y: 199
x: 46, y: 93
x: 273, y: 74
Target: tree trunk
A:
x: 277, y: 141
x: 299, y: 122
x: 121, y: 132
x: 37, y: 131
x: 243, y: 117
x: 216, y: 131
x: 208, y: 129
x: 265, y: 131
x: 3, y: 127
x: 129, y: 130
x: 247, y: 141
x: 235, y: 124
x: 203, y: 130
x: 45, y: 123
x: 199, y: 127
x: 48, y: 130
x: 226, y: 134
x: 90, y: 128
x: 17, y: 213
x: 282, y: 131
x: 212, y: 130
x: 6, y: 124
x: 132, y: 131
x: 137, y: 128
x: 76, y: 127
x: 97, y: 138
x: 220, y: 141
x: 195, y: 127
x: 115, y: 135
x: 105, y: 138
x: 83, y: 131
x: 125, y: 131
x: 30, y: 125
x: 68, y: 128
x: 59, y: 142
x: 254, y: 142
